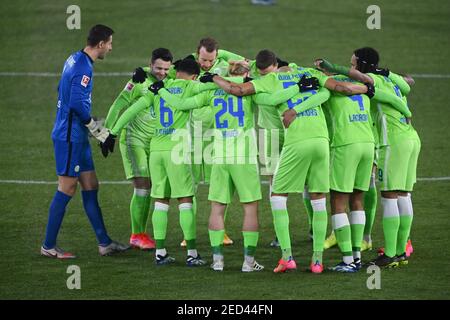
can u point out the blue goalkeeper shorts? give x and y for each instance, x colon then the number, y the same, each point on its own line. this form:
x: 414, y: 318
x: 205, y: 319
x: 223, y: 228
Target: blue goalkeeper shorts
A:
x: 72, y: 158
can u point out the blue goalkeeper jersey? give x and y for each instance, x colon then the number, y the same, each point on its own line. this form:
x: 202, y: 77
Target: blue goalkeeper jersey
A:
x: 74, y: 99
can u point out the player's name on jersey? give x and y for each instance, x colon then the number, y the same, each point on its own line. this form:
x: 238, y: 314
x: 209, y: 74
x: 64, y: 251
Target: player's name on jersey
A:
x: 358, y: 118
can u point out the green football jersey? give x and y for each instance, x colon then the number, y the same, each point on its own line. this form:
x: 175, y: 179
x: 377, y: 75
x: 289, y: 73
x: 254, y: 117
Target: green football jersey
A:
x: 350, y: 117
x: 402, y: 90
x: 170, y: 120
x: 233, y: 121
x: 310, y: 123
x: 140, y: 130
x: 268, y: 117
x: 204, y: 114
x: 233, y: 116
x: 388, y: 120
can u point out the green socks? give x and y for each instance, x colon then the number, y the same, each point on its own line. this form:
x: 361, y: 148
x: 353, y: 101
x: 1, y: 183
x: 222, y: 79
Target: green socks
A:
x: 159, y: 220
x: 250, y: 242
x: 406, y: 218
x: 308, y: 208
x: 370, y: 207
x: 357, y: 223
x: 139, y: 206
x: 281, y: 224
x: 187, y: 223
x: 319, y: 227
x: 216, y: 240
x: 391, y: 223
x: 341, y: 227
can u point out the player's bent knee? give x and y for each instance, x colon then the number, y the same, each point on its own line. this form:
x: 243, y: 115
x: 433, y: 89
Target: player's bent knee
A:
x: 185, y: 200
x: 67, y: 185
x: 141, y: 183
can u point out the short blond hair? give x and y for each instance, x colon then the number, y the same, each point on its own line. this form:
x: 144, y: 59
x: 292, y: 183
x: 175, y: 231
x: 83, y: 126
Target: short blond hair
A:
x: 238, y: 68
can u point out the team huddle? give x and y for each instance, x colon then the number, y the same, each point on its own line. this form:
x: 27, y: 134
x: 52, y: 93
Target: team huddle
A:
x: 327, y: 129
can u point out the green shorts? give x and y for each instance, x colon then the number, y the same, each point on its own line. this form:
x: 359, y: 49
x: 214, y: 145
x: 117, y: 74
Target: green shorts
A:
x: 170, y: 180
x: 228, y: 178
x: 135, y: 160
x: 201, y: 171
x: 272, y: 144
x: 351, y: 167
x: 397, y: 165
x: 303, y: 163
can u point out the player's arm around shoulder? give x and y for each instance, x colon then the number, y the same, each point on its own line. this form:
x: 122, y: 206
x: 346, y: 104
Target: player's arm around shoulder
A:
x: 186, y: 103
x: 141, y: 104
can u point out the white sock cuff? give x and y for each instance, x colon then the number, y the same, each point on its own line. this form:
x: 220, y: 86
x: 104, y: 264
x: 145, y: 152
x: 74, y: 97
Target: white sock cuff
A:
x: 141, y: 192
x: 390, y: 207
x: 319, y: 205
x: 185, y: 206
x: 404, y: 207
x: 358, y: 217
x: 161, y: 206
x: 339, y: 220
x: 306, y: 193
x: 278, y: 202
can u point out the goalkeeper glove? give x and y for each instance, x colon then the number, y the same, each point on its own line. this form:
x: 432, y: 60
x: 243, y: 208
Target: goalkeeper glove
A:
x: 139, y: 75
x: 97, y: 130
x: 108, y: 145
x: 370, y: 90
x: 306, y: 84
x: 156, y: 86
x: 207, y: 77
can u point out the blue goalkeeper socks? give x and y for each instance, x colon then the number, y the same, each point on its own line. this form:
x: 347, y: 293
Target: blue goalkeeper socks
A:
x: 55, y: 218
x: 94, y: 214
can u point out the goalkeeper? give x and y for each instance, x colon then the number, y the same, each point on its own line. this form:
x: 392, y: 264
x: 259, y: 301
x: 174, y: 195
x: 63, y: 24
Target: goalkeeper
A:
x: 72, y: 150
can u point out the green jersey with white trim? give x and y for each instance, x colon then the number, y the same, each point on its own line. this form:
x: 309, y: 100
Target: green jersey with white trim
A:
x: 140, y: 130
x: 308, y: 124
x: 388, y: 120
x: 350, y: 117
x: 233, y: 116
x: 170, y: 121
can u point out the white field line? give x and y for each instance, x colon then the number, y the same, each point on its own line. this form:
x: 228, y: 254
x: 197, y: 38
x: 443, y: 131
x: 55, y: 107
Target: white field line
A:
x: 427, y: 179
x: 128, y: 74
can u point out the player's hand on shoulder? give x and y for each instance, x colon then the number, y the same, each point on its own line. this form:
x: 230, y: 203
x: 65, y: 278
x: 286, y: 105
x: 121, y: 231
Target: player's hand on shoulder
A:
x: 383, y: 72
x: 370, y: 90
x: 156, y: 86
x: 288, y: 117
x: 318, y: 63
x: 207, y: 77
x: 139, y: 75
x: 307, y: 84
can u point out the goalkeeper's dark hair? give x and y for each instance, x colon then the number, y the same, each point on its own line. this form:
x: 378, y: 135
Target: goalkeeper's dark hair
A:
x: 99, y: 33
x: 265, y: 58
x: 188, y: 66
x: 366, y: 59
x: 163, y: 54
